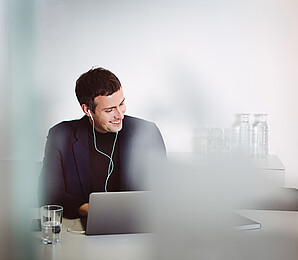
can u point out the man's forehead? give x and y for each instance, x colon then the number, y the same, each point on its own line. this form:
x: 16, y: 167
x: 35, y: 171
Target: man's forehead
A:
x: 109, y: 100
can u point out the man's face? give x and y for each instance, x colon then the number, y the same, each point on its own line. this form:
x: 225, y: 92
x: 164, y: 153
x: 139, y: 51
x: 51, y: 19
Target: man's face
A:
x: 109, y: 112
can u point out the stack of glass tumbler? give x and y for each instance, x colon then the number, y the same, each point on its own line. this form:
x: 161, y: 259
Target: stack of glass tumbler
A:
x: 250, y: 139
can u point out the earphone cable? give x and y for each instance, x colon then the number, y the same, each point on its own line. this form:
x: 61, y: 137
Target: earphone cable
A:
x: 71, y: 230
x: 111, y: 163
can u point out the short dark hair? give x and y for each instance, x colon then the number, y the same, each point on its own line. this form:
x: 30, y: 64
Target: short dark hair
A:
x: 93, y: 83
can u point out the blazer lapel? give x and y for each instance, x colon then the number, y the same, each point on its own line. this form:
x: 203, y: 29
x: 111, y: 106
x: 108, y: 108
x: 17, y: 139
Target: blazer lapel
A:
x: 126, y: 148
x: 81, y: 155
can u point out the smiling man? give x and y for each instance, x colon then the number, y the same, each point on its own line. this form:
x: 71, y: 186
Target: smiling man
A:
x: 103, y: 151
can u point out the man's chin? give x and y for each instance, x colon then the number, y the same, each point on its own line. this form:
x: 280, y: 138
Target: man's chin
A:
x: 114, y: 129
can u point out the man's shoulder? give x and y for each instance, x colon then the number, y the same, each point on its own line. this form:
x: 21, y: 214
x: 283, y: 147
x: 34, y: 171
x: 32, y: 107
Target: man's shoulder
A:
x: 67, y: 125
x: 139, y: 127
x: 145, y: 133
x: 137, y: 122
x: 66, y: 128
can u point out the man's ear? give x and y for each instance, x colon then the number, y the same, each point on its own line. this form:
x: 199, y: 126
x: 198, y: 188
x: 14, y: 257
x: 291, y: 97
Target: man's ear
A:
x: 85, y: 109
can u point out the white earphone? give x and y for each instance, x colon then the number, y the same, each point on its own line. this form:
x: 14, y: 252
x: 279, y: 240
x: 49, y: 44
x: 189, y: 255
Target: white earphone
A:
x: 88, y: 111
x: 111, y: 164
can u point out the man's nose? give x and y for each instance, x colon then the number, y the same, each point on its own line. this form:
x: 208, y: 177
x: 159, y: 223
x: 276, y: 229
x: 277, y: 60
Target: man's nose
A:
x: 119, y: 113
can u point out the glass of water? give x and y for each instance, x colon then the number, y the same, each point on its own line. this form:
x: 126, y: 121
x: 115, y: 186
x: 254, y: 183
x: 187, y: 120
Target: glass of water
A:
x: 51, y: 223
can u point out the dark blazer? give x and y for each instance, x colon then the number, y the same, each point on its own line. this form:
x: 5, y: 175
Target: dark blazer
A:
x: 64, y: 178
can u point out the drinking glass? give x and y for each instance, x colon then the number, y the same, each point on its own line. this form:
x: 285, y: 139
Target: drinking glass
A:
x: 51, y: 223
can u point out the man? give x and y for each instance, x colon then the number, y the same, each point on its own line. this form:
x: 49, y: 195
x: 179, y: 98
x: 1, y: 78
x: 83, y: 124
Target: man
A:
x: 103, y: 151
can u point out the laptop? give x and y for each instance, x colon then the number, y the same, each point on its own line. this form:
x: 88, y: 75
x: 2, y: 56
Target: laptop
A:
x: 117, y: 213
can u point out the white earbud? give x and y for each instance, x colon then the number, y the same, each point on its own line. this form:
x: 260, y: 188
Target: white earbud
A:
x: 90, y: 114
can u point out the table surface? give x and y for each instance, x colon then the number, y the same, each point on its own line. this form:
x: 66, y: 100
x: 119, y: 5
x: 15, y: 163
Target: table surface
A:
x: 79, y: 246
x: 137, y: 246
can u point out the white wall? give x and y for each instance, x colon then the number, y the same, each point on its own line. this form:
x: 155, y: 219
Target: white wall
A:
x: 182, y: 64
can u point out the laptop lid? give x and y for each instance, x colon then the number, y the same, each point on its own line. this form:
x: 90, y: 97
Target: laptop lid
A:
x: 118, y: 213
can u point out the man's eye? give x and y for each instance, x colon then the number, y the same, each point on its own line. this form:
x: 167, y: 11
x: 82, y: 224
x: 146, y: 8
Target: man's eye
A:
x: 109, y: 110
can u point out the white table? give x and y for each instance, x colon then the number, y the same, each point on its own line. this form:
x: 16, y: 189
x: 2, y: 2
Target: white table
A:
x: 274, y: 221
x: 277, y: 239
x: 79, y: 246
